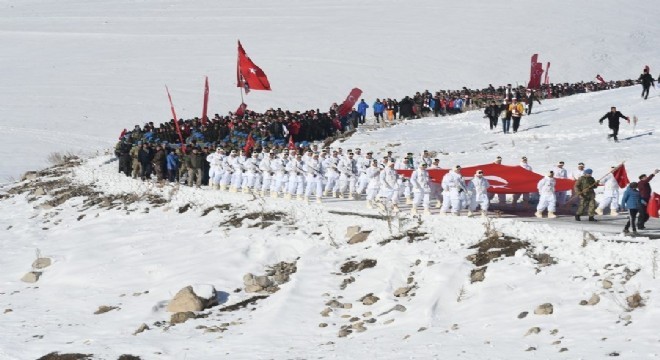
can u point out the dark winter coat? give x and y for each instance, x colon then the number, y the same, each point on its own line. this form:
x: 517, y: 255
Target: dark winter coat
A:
x: 145, y: 156
x: 194, y: 161
x: 646, y: 79
x: 645, y: 188
x: 613, y: 119
x: 492, y: 111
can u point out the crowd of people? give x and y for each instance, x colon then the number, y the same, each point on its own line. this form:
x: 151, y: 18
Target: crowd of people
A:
x: 275, y: 127
x: 213, y: 155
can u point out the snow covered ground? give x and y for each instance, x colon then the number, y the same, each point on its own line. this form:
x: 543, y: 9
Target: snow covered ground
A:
x: 79, y: 72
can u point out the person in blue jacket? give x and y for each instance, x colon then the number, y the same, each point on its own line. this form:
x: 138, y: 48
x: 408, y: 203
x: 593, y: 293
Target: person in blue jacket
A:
x: 632, y: 201
x: 173, y: 164
x: 362, y: 110
x: 379, y: 109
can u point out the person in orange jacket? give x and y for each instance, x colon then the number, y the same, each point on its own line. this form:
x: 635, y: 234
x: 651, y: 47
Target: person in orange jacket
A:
x: 517, y: 110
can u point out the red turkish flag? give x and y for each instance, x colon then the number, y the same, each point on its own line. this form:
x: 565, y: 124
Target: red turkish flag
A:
x: 292, y: 145
x: 503, y: 179
x: 249, y: 144
x: 621, y: 176
x: 600, y: 78
x: 176, y: 122
x: 653, y: 209
x: 350, y: 101
x: 241, y: 110
x: 248, y: 74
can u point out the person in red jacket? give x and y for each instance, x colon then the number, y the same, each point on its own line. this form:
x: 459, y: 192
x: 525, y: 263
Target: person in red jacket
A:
x: 645, y: 194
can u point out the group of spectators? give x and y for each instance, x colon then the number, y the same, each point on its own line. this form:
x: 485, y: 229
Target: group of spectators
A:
x: 277, y: 128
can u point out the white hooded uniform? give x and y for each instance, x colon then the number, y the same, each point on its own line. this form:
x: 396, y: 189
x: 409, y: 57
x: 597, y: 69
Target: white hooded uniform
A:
x: 215, y: 167
x: 373, y: 181
x: 547, y: 199
x: 296, y: 181
x: 363, y: 164
x: 279, y: 179
x: 421, y: 187
x: 228, y: 169
x: 252, y: 176
x: 478, y: 192
x: 314, y: 178
x: 331, y: 173
x: 266, y: 173
x: 452, y: 185
x: 389, y: 184
x: 348, y: 175
x: 610, y: 193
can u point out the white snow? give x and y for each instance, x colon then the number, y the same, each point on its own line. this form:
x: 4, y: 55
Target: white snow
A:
x: 76, y: 73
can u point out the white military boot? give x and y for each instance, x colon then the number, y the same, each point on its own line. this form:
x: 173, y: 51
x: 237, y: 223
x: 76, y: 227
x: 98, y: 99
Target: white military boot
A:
x: 613, y: 213
x: 427, y: 211
x: 599, y: 211
x: 470, y: 213
x: 551, y: 215
x: 413, y: 211
x: 538, y: 214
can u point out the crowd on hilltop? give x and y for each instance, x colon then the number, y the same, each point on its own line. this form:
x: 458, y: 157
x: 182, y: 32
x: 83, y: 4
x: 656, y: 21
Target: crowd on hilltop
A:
x: 274, y: 128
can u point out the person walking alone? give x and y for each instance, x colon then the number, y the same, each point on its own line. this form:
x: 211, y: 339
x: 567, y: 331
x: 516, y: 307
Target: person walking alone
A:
x: 613, y: 122
x: 647, y: 81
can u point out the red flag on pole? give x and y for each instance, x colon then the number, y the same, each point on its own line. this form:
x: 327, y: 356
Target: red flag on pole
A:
x: 206, y: 101
x: 653, y: 208
x: 535, y: 73
x: 248, y: 74
x: 621, y: 176
x: 292, y: 145
x: 176, y: 121
x: 547, y: 79
x: 350, y: 101
x: 600, y: 78
x: 241, y: 110
x: 249, y: 144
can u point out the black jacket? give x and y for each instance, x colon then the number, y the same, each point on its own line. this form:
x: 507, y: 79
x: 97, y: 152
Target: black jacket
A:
x: 646, y: 79
x: 613, y: 119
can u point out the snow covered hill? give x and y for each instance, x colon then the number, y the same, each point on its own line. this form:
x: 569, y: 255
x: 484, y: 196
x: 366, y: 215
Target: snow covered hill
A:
x: 429, y: 287
x: 76, y: 73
